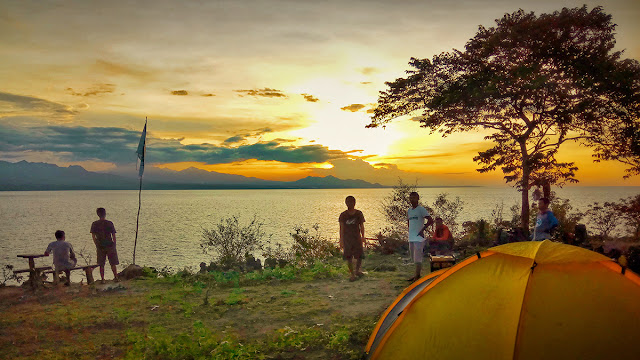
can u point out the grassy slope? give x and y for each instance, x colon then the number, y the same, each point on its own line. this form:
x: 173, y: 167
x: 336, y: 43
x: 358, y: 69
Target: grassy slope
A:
x: 309, y: 317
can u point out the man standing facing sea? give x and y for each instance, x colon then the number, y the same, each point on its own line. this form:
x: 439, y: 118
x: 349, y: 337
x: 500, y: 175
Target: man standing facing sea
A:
x: 104, y: 236
x: 415, y: 221
x: 352, y: 237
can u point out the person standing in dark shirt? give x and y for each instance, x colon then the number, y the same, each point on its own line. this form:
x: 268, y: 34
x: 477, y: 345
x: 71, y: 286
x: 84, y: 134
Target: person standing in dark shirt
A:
x: 352, y: 236
x: 104, y: 236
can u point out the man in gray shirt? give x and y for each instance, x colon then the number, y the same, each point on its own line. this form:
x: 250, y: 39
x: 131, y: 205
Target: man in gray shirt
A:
x: 64, y: 259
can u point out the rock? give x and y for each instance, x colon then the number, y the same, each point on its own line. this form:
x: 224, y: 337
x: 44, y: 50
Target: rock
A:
x: 270, y: 263
x: 131, y: 272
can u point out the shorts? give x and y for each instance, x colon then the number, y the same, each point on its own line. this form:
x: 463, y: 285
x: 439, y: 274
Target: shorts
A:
x: 65, y: 265
x: 109, y: 252
x: 352, y: 249
x: 415, y: 251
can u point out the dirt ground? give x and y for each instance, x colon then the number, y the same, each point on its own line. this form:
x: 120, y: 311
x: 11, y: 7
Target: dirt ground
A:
x: 93, y: 322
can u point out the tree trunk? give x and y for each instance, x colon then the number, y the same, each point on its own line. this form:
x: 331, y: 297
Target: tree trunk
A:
x: 546, y: 189
x: 524, y: 221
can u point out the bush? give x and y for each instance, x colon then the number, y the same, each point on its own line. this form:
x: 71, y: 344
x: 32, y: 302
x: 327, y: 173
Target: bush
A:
x: 228, y: 242
x: 394, y: 208
x: 567, y: 220
x: 448, y: 210
x: 629, y: 210
x: 604, y: 219
x: 389, y: 243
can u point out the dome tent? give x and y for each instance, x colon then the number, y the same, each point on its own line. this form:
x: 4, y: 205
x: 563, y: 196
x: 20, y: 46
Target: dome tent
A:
x: 526, y: 300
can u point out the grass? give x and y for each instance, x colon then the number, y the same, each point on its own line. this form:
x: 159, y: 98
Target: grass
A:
x: 313, y: 313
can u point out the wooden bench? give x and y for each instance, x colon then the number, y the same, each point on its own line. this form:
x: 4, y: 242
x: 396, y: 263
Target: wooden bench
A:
x: 442, y: 261
x: 88, y: 270
x: 34, y: 275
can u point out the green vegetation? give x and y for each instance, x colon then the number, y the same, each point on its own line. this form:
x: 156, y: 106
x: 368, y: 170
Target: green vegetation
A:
x: 310, y: 312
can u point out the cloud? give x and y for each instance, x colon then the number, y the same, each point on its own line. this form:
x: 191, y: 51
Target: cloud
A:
x: 208, y: 95
x: 98, y: 89
x: 353, y: 107
x: 113, y: 68
x: 310, y: 98
x: 365, y: 82
x: 234, y: 139
x: 369, y: 70
x: 266, y: 92
x: 241, y: 137
x: 19, y: 105
x: 386, y: 174
x: 118, y: 145
x: 180, y: 92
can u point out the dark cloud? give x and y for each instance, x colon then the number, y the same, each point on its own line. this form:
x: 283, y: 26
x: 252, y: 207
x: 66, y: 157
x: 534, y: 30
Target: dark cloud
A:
x: 207, y: 95
x: 266, y: 92
x: 365, y: 82
x: 234, y: 139
x: 180, y: 92
x: 371, y: 111
x: 353, y: 107
x: 11, y: 104
x: 98, y: 89
x: 417, y: 118
x: 118, y: 145
x: 310, y: 98
x: 241, y: 137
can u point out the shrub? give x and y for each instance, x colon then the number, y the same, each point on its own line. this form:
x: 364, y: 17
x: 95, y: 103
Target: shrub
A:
x: 629, y: 210
x: 389, y: 243
x: 394, y: 208
x: 448, y: 210
x: 228, y: 241
x: 604, y: 219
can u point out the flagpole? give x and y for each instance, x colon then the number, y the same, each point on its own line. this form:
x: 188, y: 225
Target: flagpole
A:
x: 135, y: 242
x: 141, y: 151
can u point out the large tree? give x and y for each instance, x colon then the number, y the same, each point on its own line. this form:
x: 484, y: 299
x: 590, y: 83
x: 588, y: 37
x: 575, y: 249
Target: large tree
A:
x: 534, y: 82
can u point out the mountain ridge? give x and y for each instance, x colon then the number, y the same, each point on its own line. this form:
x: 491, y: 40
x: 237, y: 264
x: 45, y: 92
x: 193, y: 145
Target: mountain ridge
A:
x: 26, y: 176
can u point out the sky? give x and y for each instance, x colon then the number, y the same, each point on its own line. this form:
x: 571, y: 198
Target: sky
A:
x: 274, y: 89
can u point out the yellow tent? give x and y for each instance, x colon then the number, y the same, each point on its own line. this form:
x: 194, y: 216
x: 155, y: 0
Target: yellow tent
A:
x: 527, y: 300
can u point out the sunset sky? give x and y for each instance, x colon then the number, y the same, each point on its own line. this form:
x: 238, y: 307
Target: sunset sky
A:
x: 273, y: 89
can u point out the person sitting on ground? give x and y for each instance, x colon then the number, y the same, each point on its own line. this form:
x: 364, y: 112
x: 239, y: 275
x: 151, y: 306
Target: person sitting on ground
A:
x: 546, y: 222
x: 64, y: 259
x: 442, y: 239
x: 352, y: 236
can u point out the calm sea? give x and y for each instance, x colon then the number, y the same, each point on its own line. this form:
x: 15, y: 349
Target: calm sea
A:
x: 171, y: 222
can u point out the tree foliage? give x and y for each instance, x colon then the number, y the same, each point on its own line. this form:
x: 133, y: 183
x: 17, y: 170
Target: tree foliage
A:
x: 229, y: 241
x: 534, y: 83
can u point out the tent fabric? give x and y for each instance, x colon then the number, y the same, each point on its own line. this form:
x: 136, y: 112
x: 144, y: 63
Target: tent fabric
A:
x: 527, y: 300
x: 396, y: 309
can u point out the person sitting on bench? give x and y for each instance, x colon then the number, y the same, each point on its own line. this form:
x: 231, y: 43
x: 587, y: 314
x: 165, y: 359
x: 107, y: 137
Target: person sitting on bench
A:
x: 442, y: 239
x: 64, y: 259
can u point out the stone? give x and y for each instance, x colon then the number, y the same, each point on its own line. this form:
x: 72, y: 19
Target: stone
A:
x: 131, y: 272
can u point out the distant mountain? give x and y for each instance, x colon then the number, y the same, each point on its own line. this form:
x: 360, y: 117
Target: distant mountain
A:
x: 25, y: 175
x: 328, y: 182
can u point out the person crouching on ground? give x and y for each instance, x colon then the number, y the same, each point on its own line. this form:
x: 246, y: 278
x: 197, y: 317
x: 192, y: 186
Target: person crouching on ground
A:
x: 104, y: 236
x: 442, y: 239
x: 352, y: 236
x: 64, y: 259
x: 416, y: 215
